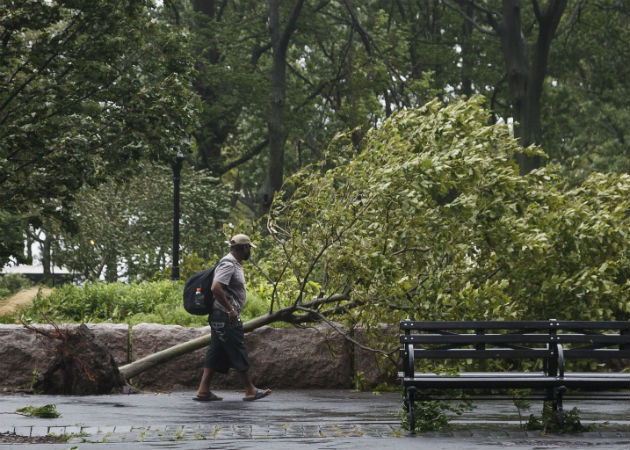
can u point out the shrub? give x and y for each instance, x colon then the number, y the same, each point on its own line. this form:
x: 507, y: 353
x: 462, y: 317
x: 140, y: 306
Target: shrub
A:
x: 12, y: 283
x: 152, y: 302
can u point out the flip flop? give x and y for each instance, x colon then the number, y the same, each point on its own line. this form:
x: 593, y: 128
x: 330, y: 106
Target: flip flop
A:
x: 207, y: 398
x: 259, y: 394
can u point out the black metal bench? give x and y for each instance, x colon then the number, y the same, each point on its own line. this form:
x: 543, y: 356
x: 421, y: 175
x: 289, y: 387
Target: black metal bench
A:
x: 548, y: 344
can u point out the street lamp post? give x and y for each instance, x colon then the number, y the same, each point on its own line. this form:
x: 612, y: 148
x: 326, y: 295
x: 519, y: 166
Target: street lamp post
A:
x: 177, y: 169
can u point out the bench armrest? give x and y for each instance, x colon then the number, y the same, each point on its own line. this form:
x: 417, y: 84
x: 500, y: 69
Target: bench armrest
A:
x: 408, y: 360
x: 560, y: 352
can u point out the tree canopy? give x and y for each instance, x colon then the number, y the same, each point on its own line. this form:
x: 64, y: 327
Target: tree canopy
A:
x: 432, y: 221
x: 87, y: 88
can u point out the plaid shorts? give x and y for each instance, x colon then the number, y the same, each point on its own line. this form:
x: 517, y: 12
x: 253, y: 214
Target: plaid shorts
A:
x: 227, y: 345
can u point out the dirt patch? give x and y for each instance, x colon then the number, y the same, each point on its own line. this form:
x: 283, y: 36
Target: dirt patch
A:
x: 23, y: 298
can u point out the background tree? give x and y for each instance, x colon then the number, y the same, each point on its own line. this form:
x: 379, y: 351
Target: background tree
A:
x: 135, y: 242
x: 585, y: 113
x: 326, y: 72
x: 86, y: 89
x: 562, y: 57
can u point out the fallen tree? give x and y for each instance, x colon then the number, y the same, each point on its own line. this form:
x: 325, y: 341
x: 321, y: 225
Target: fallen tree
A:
x: 291, y: 315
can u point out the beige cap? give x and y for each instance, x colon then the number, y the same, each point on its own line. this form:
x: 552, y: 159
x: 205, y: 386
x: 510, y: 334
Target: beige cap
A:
x: 241, y: 239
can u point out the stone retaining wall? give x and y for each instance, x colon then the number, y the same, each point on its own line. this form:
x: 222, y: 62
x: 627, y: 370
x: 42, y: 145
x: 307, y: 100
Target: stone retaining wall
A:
x: 280, y: 357
x: 23, y: 351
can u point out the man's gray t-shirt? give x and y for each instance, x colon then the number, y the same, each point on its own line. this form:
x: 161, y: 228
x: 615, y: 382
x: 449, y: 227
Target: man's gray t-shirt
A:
x: 229, y: 272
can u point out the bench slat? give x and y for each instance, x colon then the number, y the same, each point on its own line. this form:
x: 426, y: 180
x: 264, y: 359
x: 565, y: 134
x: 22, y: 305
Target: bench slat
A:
x: 480, y: 375
x: 472, y: 339
x: 515, y: 325
x: 600, y: 353
x: 482, y: 382
x: 472, y: 325
x: 585, y: 325
x: 610, y: 339
x: 588, y: 381
x: 481, y: 354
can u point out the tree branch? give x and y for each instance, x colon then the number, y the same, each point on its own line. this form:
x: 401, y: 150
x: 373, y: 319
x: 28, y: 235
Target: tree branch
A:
x: 345, y: 335
x: 244, y: 158
x: 258, y: 52
x: 369, y: 42
x: 291, y: 23
x: 474, y: 23
x: 355, y: 21
x: 537, y: 13
x: 15, y: 93
x: 412, y: 249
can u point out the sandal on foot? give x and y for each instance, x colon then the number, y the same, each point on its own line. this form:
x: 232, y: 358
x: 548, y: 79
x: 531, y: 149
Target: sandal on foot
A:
x: 211, y: 397
x: 259, y: 394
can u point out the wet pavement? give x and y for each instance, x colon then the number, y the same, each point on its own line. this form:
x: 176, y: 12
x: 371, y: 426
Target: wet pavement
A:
x: 311, y: 419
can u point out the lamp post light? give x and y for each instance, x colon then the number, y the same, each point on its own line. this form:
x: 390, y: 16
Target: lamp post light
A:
x: 177, y: 169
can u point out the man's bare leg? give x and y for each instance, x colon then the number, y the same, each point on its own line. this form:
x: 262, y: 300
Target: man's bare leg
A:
x: 204, y: 384
x: 252, y: 391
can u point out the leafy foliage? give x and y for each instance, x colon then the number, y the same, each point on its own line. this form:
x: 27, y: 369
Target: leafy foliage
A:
x: 12, y: 283
x: 433, y: 415
x: 151, y: 302
x: 432, y: 221
x: 585, y: 121
x: 45, y: 411
x: 549, y: 421
x: 11, y: 230
x: 87, y: 88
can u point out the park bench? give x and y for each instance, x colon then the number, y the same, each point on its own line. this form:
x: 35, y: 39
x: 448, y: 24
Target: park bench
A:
x: 548, y: 344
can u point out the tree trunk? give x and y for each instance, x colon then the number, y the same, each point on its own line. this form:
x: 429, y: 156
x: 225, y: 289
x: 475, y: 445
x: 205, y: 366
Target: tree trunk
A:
x: 277, y: 131
x: 286, y: 314
x: 46, y: 259
x: 205, y: 6
x: 526, y: 77
x: 111, y: 268
x: 467, y: 53
x: 131, y: 370
x: 516, y: 57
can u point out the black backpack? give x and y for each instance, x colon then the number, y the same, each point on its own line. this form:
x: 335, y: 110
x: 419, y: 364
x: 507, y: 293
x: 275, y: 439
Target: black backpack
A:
x: 199, y: 304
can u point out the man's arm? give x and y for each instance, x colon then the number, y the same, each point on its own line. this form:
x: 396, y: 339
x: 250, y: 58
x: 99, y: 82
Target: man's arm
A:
x: 219, y: 294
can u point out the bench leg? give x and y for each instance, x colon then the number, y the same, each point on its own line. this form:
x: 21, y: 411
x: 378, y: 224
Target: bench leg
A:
x: 558, y: 410
x: 409, y: 401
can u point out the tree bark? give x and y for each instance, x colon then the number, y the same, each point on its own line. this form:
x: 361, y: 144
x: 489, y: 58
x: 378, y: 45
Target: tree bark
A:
x: 131, y: 370
x: 280, y: 39
x: 467, y: 53
x: 111, y: 267
x: 46, y: 259
x: 526, y: 76
x: 286, y: 314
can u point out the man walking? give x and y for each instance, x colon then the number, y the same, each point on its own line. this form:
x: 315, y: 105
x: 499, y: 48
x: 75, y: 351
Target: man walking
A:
x: 227, y: 343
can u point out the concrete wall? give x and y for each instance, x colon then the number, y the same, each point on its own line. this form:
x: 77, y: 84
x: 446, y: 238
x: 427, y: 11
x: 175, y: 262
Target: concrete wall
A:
x: 279, y: 357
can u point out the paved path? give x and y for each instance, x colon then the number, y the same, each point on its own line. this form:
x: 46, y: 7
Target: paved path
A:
x: 23, y: 298
x: 291, y: 420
